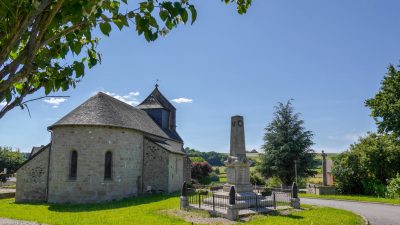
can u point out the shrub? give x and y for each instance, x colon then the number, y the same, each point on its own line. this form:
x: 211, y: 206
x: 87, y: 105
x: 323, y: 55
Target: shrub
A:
x: 205, y: 180
x: 393, y: 189
x: 214, y: 177
x: 274, y: 182
x: 217, y: 170
x: 3, y: 178
x: 373, y: 187
x: 368, y: 165
x: 200, y: 170
x: 256, y: 179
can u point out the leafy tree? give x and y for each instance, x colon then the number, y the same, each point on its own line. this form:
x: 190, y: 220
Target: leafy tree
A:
x: 49, y: 43
x: 10, y: 159
x: 286, y: 140
x: 368, y: 165
x: 385, y: 106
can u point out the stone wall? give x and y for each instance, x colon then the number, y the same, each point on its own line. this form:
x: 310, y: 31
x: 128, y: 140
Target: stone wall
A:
x: 175, y: 172
x: 320, y: 190
x: 155, y: 174
x: 91, y: 143
x: 32, y: 179
x: 187, y: 169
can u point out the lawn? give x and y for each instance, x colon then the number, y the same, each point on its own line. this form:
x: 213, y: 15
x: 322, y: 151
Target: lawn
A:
x: 152, y: 210
x: 354, y: 198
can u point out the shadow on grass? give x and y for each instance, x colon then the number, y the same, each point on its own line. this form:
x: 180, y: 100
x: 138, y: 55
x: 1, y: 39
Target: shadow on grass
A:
x: 280, y: 214
x: 134, y: 201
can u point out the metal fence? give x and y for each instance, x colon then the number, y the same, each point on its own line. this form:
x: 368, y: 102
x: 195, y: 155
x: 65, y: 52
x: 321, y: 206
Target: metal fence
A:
x: 282, y: 195
x: 206, y: 199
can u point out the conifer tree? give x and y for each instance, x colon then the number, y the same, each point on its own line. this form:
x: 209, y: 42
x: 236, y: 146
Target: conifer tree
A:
x: 285, y: 141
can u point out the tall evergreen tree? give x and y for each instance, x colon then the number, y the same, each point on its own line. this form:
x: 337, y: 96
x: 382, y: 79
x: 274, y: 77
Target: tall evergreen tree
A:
x: 285, y: 141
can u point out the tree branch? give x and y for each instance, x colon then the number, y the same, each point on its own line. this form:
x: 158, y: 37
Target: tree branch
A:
x: 47, y: 96
x: 25, y: 24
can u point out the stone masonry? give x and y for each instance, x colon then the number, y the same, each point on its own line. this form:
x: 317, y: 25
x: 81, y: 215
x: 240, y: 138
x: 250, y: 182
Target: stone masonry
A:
x: 32, y: 179
x: 92, y: 143
x: 237, y: 164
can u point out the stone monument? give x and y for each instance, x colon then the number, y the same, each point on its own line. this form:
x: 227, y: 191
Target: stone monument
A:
x: 238, y: 167
x: 324, y: 176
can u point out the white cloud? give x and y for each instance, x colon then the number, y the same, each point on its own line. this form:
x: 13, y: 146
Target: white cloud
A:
x: 182, y: 100
x: 55, y: 102
x: 130, y: 98
x: 352, y: 137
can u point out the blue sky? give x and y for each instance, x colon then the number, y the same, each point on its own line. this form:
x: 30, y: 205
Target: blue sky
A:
x: 329, y: 56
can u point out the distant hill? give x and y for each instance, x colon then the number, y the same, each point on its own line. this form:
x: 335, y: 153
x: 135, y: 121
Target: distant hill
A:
x: 213, y: 158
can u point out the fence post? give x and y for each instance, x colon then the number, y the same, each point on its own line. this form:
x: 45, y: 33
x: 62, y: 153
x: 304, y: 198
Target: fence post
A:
x: 213, y: 201
x: 256, y: 203
x: 233, y: 211
x: 274, y: 199
x: 199, y: 200
x: 184, y: 196
x: 294, y: 200
x: 295, y: 190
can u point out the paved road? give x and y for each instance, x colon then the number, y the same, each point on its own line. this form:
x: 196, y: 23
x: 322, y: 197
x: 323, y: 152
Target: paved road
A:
x: 377, y: 214
x: 5, y: 221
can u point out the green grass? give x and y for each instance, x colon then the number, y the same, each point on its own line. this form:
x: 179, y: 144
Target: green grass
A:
x: 354, y: 198
x: 12, y: 186
x: 152, y: 210
x: 311, y: 215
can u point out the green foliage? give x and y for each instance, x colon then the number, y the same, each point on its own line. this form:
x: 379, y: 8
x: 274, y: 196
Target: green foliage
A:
x: 213, y: 158
x: 368, y: 165
x: 385, y: 105
x: 274, y: 182
x: 37, y: 36
x: 197, y: 159
x: 373, y: 187
x: 285, y: 141
x: 10, y: 159
x: 256, y: 179
x: 217, y: 170
x: 214, y: 177
x: 393, y: 188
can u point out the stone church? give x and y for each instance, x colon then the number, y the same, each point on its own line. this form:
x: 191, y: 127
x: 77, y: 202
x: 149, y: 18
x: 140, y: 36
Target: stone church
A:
x: 104, y: 150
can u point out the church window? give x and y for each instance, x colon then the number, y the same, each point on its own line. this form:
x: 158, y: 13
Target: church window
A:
x: 108, y: 166
x: 73, y: 168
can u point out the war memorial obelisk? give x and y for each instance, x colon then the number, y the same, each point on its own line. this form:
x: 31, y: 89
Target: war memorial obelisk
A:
x: 238, y: 167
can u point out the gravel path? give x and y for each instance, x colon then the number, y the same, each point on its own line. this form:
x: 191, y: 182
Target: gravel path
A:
x: 377, y: 214
x: 4, y: 221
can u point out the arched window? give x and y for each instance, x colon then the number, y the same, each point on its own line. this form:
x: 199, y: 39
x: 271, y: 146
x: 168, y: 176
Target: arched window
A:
x: 73, y: 167
x: 108, y: 166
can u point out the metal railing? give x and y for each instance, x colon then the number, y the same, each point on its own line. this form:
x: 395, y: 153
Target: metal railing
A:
x: 220, y: 201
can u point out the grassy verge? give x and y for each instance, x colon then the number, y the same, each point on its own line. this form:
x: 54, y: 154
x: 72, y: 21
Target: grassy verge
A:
x: 311, y: 215
x: 152, y: 210
x: 13, y: 186
x: 354, y: 198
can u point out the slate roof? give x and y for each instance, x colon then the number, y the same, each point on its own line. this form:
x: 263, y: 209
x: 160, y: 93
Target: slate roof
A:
x: 156, y: 100
x: 35, y: 150
x: 105, y: 110
x: 167, y: 145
